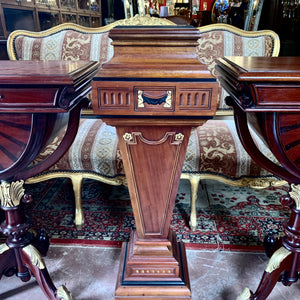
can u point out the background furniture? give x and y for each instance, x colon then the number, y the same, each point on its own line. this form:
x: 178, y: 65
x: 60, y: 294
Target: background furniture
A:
x: 265, y: 94
x: 37, y: 100
x: 214, y: 150
x: 38, y: 15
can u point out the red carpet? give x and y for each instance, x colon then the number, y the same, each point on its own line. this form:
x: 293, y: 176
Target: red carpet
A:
x: 236, y: 218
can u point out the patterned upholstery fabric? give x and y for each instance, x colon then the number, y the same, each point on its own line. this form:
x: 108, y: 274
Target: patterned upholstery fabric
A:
x: 219, y: 40
x: 213, y: 148
x: 65, y: 45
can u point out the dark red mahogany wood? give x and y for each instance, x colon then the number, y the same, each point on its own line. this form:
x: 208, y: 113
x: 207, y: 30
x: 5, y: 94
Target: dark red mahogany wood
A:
x: 37, y: 99
x: 154, y: 90
x: 265, y: 94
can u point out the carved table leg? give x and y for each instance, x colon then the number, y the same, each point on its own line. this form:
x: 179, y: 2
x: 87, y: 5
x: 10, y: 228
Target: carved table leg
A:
x: 18, y: 256
x: 153, y: 264
x: 284, y: 263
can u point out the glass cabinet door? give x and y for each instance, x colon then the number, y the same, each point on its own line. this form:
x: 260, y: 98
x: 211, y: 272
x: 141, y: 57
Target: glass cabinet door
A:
x: 69, y: 18
x: 48, y: 19
x: 84, y: 4
x: 84, y: 21
x: 18, y: 19
x: 95, y: 22
x: 46, y: 3
x: 68, y: 4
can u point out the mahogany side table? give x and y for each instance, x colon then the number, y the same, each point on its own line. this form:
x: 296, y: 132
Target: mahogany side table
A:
x: 265, y: 94
x: 154, y: 90
x: 36, y: 100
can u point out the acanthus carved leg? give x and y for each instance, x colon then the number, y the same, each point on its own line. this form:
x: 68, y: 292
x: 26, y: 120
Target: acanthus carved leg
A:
x: 284, y: 263
x: 18, y: 255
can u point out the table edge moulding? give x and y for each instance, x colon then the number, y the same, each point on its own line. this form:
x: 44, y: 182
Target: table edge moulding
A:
x: 265, y: 95
x: 37, y: 100
x: 154, y: 90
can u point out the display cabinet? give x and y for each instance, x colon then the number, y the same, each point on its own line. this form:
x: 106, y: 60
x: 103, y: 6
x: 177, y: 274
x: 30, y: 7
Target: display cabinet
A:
x: 38, y: 15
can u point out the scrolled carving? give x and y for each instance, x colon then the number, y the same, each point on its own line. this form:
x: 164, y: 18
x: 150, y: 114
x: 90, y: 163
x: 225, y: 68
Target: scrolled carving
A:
x: 144, y: 21
x: 295, y: 194
x: 245, y: 295
x: 35, y: 256
x: 11, y: 193
x: 276, y: 259
x: 63, y: 293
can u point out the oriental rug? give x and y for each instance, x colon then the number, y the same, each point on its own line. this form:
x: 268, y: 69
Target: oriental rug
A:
x: 229, y: 218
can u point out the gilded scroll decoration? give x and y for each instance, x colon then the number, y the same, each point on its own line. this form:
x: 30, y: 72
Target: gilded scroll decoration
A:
x: 63, y: 293
x: 276, y: 259
x: 144, y: 21
x: 245, y: 295
x: 11, y: 193
x: 295, y: 194
x: 35, y: 256
x: 3, y: 248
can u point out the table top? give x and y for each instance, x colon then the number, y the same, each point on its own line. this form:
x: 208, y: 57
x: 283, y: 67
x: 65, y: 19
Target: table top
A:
x: 44, y: 86
x: 262, y: 83
x: 43, y: 72
x: 274, y: 69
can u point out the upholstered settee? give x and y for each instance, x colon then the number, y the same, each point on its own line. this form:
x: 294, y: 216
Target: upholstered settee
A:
x: 214, y: 150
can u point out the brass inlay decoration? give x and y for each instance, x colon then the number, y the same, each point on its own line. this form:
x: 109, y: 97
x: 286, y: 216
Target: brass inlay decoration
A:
x: 3, y: 248
x: 167, y: 101
x: 140, y: 99
x: 35, y: 256
x: 179, y: 137
x: 152, y: 271
x: 63, y: 293
x: 128, y: 137
x: 276, y: 259
x: 245, y: 295
x: 11, y: 193
x: 295, y: 194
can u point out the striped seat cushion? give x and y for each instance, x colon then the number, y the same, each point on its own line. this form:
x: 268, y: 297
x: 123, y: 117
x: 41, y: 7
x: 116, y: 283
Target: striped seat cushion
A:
x: 213, y: 148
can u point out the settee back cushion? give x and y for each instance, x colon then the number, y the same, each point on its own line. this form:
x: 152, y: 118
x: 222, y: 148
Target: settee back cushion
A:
x: 65, y: 45
x: 219, y: 40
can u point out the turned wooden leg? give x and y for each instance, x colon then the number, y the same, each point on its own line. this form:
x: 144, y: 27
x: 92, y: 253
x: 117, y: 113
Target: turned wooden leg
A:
x: 284, y: 263
x: 18, y: 256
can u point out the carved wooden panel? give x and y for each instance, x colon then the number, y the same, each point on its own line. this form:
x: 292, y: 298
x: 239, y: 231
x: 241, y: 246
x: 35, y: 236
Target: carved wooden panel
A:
x: 161, y: 98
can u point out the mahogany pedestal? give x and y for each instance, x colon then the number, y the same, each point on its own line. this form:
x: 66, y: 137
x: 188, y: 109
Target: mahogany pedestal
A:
x: 154, y: 90
x: 37, y: 100
x: 265, y: 94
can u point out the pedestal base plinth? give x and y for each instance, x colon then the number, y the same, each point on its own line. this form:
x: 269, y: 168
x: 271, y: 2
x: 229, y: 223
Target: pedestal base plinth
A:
x: 159, y: 288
